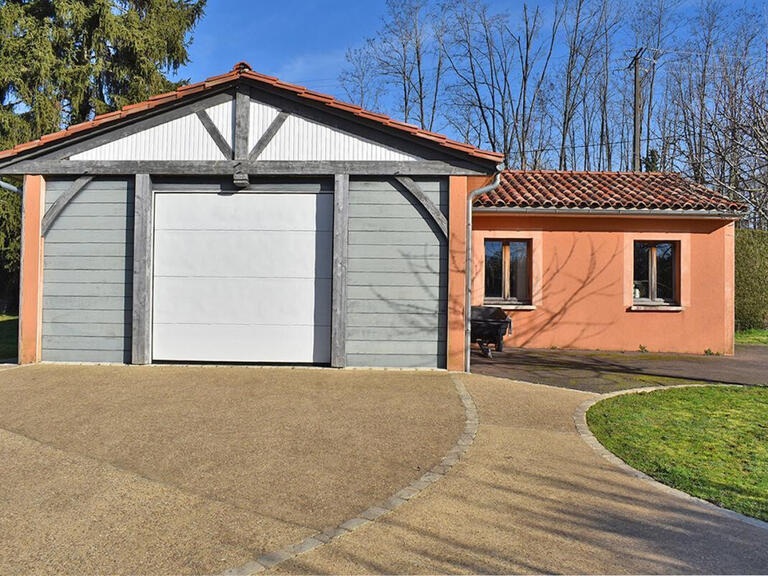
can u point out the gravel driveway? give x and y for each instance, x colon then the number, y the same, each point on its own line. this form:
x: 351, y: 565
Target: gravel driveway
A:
x: 197, y: 469
x: 531, y: 496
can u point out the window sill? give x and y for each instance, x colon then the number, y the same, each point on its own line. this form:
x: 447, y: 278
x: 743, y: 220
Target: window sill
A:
x: 655, y: 308
x: 509, y: 305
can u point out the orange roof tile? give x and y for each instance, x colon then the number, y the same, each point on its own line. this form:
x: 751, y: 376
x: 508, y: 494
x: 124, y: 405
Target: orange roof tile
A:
x: 243, y: 70
x: 603, y: 190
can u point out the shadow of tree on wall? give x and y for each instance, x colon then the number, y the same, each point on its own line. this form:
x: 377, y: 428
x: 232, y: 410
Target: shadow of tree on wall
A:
x: 561, y: 284
x: 423, y: 319
x: 564, y: 289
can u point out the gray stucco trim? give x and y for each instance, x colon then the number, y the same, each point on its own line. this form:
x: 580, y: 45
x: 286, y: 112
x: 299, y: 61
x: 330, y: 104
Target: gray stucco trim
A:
x: 340, y: 252
x: 217, y: 184
x: 141, y: 342
x: 61, y: 202
x: 228, y: 167
x: 418, y: 194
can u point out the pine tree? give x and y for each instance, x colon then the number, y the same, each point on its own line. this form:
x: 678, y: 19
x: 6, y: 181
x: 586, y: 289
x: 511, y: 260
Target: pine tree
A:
x: 63, y: 61
x: 651, y: 161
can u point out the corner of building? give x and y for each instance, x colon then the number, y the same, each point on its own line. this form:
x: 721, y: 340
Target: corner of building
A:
x: 31, y: 274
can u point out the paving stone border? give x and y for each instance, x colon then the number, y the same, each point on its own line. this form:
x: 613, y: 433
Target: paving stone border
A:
x: 580, y: 420
x: 381, y: 508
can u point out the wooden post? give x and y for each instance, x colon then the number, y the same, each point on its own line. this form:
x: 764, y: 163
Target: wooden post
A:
x: 340, y: 250
x: 31, y: 277
x: 242, y: 122
x: 637, y: 112
x: 141, y: 330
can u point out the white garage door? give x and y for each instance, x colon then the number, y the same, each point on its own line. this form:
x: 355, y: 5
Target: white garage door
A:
x: 242, y: 277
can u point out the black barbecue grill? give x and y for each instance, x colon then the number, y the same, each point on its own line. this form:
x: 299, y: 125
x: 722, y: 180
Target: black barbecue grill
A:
x: 489, y: 325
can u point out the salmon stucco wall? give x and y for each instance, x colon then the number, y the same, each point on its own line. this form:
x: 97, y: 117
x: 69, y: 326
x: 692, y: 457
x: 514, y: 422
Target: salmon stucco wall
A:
x: 31, y: 276
x: 459, y: 188
x: 457, y: 220
x: 582, y: 273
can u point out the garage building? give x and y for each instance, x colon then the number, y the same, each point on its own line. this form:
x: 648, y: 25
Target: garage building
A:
x: 243, y: 219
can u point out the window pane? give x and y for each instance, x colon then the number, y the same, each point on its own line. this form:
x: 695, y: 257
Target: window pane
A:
x: 665, y: 271
x: 640, y: 286
x: 519, y: 285
x: 493, y: 269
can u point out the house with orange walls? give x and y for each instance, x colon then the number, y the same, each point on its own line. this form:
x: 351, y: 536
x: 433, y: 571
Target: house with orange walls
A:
x: 245, y: 219
x: 607, y: 260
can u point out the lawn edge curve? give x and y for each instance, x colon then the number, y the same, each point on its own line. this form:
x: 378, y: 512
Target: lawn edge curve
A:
x: 580, y: 421
x: 379, y: 509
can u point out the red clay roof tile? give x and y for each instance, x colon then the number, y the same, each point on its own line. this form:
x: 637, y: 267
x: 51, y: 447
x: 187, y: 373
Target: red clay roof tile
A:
x: 403, y: 125
x: 27, y: 145
x: 138, y: 106
x: 224, y: 76
x: 162, y: 96
x: 259, y: 76
x: 316, y: 95
x: 107, y: 116
x: 603, y: 190
x: 188, y: 87
x: 53, y: 136
x: 243, y: 70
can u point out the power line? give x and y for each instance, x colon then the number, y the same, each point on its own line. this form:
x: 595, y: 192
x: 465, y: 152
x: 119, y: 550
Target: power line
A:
x: 595, y: 145
x: 662, y: 51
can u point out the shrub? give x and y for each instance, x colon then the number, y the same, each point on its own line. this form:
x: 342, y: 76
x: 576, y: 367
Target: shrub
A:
x: 751, y: 279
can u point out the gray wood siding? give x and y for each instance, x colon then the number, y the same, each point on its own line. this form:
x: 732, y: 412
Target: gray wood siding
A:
x: 397, y: 283
x: 87, y: 277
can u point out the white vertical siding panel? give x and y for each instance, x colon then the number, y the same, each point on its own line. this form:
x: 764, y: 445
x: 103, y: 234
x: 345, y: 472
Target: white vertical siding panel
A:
x: 223, y: 118
x: 182, y: 139
x: 260, y: 117
x: 300, y: 139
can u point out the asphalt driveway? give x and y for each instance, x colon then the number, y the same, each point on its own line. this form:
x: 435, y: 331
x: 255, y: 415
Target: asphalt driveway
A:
x: 170, y: 470
x: 597, y: 371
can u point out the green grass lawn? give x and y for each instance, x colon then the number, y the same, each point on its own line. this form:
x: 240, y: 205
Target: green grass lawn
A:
x: 711, y: 442
x: 754, y: 336
x: 9, y: 333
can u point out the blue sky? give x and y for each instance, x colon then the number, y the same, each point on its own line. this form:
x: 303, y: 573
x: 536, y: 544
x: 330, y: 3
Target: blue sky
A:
x: 305, y: 41
x: 298, y: 41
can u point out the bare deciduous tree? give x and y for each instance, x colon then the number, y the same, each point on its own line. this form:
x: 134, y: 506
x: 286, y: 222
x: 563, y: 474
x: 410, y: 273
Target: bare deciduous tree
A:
x: 361, y: 84
x: 547, y: 85
x: 585, y: 24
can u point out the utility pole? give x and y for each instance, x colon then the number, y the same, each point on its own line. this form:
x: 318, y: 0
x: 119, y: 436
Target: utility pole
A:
x: 637, y: 113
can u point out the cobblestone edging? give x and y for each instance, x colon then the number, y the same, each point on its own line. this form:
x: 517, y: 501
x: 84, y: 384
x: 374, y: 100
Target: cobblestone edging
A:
x: 580, y: 420
x: 380, y: 509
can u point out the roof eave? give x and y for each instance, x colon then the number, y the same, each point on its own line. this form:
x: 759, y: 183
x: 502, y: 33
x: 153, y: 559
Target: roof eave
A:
x: 631, y: 212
